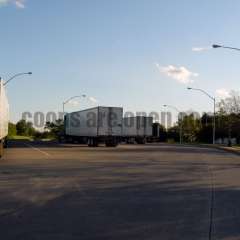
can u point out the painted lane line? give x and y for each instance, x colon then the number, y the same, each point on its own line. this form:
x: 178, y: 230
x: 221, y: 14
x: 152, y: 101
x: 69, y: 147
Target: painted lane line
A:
x: 37, y: 149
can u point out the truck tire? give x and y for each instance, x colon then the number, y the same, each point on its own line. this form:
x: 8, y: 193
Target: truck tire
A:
x: 69, y: 140
x: 112, y: 142
x: 5, y: 143
x: 130, y: 141
x: 1, y: 148
x: 93, y: 142
x: 61, y: 139
x: 90, y: 142
x: 141, y: 140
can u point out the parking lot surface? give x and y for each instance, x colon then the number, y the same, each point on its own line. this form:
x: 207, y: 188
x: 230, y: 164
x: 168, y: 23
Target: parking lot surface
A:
x: 154, y: 191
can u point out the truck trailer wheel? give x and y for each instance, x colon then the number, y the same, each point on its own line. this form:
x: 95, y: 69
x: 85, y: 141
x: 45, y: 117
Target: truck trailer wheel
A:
x: 111, y: 142
x: 93, y: 142
x: 141, y: 140
x: 5, y: 143
x: 130, y: 141
x: 61, y: 139
x: 1, y: 148
x: 90, y: 142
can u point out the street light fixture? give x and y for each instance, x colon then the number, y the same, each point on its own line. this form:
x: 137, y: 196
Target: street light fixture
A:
x: 214, y: 109
x: 71, y: 98
x: 181, y: 126
x: 221, y: 46
x: 17, y: 75
x: 216, y: 46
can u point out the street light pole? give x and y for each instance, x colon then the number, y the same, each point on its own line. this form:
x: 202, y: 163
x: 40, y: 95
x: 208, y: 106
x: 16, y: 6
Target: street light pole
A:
x: 17, y: 75
x: 180, y: 126
x: 221, y: 46
x: 68, y: 100
x: 214, y: 110
x: 214, y: 120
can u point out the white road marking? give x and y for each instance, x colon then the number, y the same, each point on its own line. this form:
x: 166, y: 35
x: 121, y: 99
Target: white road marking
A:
x: 37, y: 149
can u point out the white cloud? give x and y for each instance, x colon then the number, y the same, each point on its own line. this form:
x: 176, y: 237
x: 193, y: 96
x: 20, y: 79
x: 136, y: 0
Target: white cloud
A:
x: 181, y: 74
x: 74, y: 102
x: 200, y: 49
x: 93, y: 100
x: 17, y: 3
x: 222, y: 93
x: 20, y: 3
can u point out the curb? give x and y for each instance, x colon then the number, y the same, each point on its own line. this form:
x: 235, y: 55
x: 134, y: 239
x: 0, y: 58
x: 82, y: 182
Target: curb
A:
x: 218, y: 147
x: 224, y: 148
x: 230, y: 150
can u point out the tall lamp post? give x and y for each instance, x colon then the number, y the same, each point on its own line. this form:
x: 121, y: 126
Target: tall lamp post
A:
x: 71, y: 98
x: 221, y: 46
x: 214, y: 109
x: 180, y: 126
x: 16, y: 75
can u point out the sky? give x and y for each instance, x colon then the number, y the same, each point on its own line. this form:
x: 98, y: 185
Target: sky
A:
x: 138, y: 54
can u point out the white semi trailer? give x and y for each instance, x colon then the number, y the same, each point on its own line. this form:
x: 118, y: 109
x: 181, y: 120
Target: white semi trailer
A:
x: 137, y: 129
x: 94, y: 126
x: 4, y: 116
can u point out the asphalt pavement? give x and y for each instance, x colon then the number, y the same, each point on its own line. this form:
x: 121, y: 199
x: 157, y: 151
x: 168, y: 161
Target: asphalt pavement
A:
x: 154, y: 191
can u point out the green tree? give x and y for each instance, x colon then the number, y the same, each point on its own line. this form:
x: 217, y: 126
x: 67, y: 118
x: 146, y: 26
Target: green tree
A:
x: 191, y: 125
x: 173, y: 133
x: 21, y: 127
x: 12, y: 131
x: 55, y: 128
x: 160, y: 132
x: 205, y: 131
x: 30, y: 129
x: 25, y: 128
x: 229, y: 110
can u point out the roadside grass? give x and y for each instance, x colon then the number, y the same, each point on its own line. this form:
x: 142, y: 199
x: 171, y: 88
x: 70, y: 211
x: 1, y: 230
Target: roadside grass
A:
x: 47, y: 139
x: 30, y: 138
x: 17, y: 137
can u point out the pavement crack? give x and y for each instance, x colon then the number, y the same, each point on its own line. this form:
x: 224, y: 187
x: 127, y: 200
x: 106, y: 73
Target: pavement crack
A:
x: 211, y: 207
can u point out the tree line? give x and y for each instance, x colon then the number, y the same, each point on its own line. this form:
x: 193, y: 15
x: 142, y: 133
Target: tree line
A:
x: 200, y: 128
x: 194, y: 128
x: 26, y: 129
